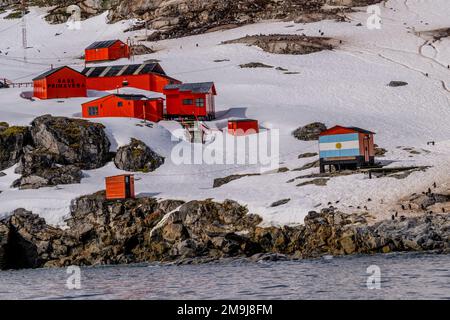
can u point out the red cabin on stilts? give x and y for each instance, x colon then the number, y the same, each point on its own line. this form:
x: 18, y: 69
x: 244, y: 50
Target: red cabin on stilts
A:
x: 126, y: 106
x: 59, y: 83
x: 107, y: 51
x: 147, y: 76
x: 242, y: 127
x: 191, y: 100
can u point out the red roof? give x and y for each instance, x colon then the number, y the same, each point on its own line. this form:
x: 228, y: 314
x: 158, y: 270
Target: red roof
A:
x: 344, y: 130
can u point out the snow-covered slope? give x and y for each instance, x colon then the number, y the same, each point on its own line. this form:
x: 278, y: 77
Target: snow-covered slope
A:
x: 347, y: 86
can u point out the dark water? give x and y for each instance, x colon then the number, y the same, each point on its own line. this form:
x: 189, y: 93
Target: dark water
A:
x: 403, y: 276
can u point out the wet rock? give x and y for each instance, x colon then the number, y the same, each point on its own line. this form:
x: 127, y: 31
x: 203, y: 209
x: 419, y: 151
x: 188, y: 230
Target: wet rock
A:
x: 310, y: 132
x: 137, y: 156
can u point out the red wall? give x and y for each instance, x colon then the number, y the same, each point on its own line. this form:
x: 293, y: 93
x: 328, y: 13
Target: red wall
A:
x: 108, y: 107
x: 115, y: 187
x: 240, y: 128
x: 116, y: 51
x: 371, y: 144
x: 101, y: 54
x: 65, y: 83
x: 175, y: 105
x: 40, y: 89
x: 150, y: 82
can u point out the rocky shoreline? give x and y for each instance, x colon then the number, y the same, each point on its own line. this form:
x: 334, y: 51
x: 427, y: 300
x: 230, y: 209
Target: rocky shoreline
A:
x: 102, y: 232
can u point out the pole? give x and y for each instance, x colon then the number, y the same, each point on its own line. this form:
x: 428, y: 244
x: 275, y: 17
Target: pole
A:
x: 24, y: 31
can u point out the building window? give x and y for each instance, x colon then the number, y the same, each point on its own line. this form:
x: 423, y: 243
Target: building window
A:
x: 120, y: 104
x: 93, y: 111
x: 188, y: 102
x: 200, y: 102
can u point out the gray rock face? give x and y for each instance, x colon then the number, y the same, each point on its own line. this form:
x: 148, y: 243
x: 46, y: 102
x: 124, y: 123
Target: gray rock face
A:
x: 137, y: 156
x: 310, y: 132
x: 12, y: 141
x: 73, y: 141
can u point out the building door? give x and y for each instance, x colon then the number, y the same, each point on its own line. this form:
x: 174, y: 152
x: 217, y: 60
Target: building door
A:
x: 127, y: 187
x: 366, y: 149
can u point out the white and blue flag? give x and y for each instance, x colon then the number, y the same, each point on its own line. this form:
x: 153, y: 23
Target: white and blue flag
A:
x: 339, y: 145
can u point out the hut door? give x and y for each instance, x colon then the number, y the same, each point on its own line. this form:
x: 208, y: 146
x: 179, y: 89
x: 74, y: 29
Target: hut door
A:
x: 127, y: 187
x: 366, y: 149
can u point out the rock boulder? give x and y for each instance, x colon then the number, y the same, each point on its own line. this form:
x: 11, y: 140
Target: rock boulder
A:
x: 137, y: 156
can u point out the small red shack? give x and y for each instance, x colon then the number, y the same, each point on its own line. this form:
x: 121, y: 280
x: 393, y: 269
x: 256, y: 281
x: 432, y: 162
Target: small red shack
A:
x: 120, y: 187
x: 346, y: 148
x: 59, y: 83
x: 192, y: 100
x: 242, y: 127
x: 147, y: 76
x: 107, y: 51
x: 126, y: 106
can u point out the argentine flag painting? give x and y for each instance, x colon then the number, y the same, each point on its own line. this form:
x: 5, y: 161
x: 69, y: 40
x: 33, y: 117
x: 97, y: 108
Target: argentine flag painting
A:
x: 339, y: 145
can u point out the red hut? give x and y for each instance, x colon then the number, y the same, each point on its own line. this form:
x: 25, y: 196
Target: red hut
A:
x: 147, y: 76
x: 126, y: 106
x: 346, y: 148
x: 63, y: 82
x: 120, y: 187
x: 242, y: 127
x: 193, y: 100
x: 107, y: 51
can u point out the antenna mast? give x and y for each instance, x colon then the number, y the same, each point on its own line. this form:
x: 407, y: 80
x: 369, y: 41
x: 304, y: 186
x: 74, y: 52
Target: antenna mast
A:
x: 24, y: 30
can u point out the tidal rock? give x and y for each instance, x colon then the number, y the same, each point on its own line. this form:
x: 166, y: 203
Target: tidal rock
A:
x: 310, y: 132
x: 137, y: 156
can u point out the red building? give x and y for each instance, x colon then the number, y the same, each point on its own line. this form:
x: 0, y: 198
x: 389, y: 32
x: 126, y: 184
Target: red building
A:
x: 242, y: 127
x: 107, y: 51
x: 346, y: 148
x: 60, y: 83
x: 125, y: 106
x: 193, y: 100
x: 120, y: 187
x: 147, y: 76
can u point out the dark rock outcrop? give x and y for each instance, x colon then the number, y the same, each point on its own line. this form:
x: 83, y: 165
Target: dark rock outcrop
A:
x: 397, y: 84
x: 310, y: 132
x: 39, y: 169
x: 145, y: 230
x: 73, y: 141
x: 288, y: 44
x: 60, y: 149
x: 137, y: 156
x: 12, y: 142
x: 218, y: 182
x: 187, y: 17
